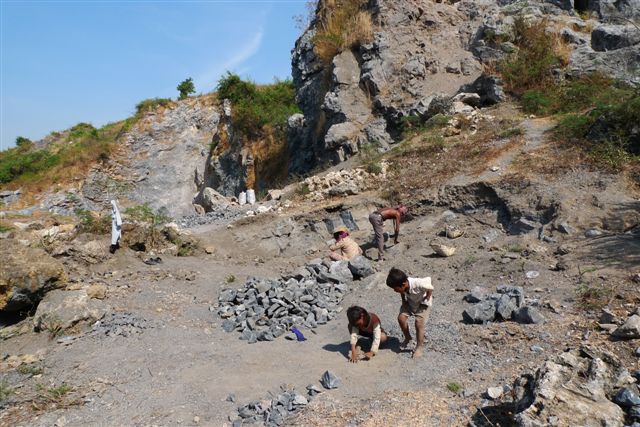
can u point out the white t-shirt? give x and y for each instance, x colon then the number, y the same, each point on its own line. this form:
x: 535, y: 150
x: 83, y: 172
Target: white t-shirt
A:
x: 417, y: 292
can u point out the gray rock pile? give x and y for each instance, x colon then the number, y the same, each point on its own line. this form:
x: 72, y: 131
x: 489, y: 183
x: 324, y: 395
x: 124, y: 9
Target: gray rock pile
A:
x: 273, y: 411
x: 508, y: 303
x: 120, y: 324
x: 263, y: 309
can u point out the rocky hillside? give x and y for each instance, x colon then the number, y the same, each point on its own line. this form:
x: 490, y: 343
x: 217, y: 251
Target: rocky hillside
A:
x: 423, y: 53
x: 509, y: 129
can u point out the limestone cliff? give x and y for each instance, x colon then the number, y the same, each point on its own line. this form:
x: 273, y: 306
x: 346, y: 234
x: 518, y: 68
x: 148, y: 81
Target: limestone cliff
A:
x: 424, y: 52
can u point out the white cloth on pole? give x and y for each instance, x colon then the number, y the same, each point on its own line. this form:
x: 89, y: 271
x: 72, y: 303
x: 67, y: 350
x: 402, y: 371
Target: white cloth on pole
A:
x: 116, y: 223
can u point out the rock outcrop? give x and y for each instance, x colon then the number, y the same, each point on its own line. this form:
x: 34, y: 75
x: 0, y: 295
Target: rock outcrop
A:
x: 417, y: 55
x: 26, y: 276
x: 574, y: 389
x: 423, y: 53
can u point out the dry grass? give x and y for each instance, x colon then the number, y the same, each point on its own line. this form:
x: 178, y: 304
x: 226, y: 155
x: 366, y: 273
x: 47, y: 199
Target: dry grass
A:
x: 343, y: 24
x: 427, y: 160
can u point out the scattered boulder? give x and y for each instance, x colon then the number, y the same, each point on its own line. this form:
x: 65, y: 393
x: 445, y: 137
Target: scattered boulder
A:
x: 528, y: 315
x: 482, y: 312
x: 360, y: 267
x: 26, y: 276
x: 489, y: 88
x: 341, y: 270
x: 629, y: 329
x: 329, y: 380
x: 477, y: 294
x: 210, y: 199
x: 60, y: 310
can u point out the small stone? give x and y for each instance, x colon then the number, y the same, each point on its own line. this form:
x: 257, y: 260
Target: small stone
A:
x: 494, y: 392
x: 477, y: 294
x: 228, y: 325
x: 532, y: 274
x: 300, y: 400
x: 196, y: 419
x: 528, y: 315
x: 209, y: 249
x: 637, y: 352
x: 97, y: 291
x: 330, y: 380
x: 630, y: 329
x: 563, y: 227
x: 231, y: 397
x: 626, y: 398
x: 606, y: 316
x: 537, y: 349
x: 594, y: 232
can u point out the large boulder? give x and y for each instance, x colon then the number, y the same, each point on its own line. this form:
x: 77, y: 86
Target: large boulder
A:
x: 26, y: 276
x: 612, y: 37
x: 630, y: 329
x: 482, y: 312
x: 360, y: 267
x: 61, y: 310
x: 571, y: 390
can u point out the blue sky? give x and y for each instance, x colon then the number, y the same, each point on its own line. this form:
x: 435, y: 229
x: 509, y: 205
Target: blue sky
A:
x: 65, y: 62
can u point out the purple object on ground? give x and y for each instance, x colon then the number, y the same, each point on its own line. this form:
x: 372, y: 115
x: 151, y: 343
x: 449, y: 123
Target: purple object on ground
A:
x: 299, y: 335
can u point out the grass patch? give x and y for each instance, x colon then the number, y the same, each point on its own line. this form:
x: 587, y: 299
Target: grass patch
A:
x: 302, y: 189
x: 593, y: 297
x: 595, y: 113
x: 254, y: 107
x: 57, y: 393
x: 5, y: 391
x: 370, y: 158
x: 515, y: 248
x: 5, y: 228
x: 342, y: 25
x: 511, y: 132
x: 454, y: 387
x: 412, y: 125
x: 148, y: 105
x: 230, y: 278
x: 30, y: 370
x: 90, y: 222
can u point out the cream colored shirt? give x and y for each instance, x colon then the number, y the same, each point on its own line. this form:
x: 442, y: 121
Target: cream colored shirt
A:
x: 376, y: 337
x: 348, y: 248
x: 417, y: 292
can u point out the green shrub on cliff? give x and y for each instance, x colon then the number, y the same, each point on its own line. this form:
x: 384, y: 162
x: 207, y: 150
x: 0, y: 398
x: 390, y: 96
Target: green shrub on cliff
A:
x: 256, y: 107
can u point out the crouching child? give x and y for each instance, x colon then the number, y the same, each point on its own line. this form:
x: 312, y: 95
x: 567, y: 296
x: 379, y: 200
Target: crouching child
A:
x: 416, y: 295
x: 367, y: 325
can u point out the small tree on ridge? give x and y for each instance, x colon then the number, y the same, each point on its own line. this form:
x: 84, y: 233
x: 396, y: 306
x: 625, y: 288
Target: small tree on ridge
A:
x: 186, y: 87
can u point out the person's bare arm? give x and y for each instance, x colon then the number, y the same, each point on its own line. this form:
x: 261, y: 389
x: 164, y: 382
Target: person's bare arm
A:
x: 377, y: 332
x: 354, y: 341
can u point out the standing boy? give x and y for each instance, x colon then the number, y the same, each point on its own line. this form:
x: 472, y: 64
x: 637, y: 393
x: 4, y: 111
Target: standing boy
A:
x: 416, y: 294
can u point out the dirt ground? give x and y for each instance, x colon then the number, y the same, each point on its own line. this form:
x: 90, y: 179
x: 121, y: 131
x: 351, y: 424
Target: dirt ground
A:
x: 181, y: 368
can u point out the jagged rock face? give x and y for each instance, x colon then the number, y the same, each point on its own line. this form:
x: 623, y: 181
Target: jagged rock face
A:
x: 418, y: 51
x: 572, y: 390
x: 229, y: 168
x: 164, y: 151
x: 421, y: 54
